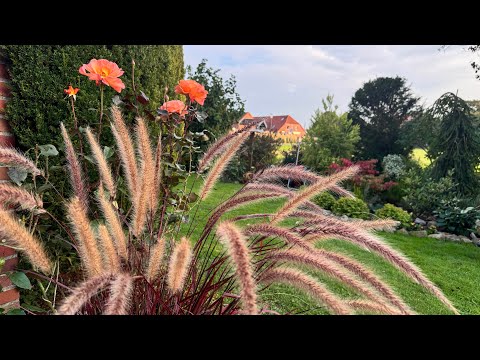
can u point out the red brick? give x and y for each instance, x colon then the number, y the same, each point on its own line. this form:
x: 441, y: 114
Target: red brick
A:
x: 10, y: 265
x: 4, y: 125
x: 5, y: 281
x: 9, y: 295
x: 4, y: 173
x: 4, y: 89
x: 4, y: 72
x: 12, y: 305
x: 3, y: 103
x: 7, y: 140
x: 6, y: 251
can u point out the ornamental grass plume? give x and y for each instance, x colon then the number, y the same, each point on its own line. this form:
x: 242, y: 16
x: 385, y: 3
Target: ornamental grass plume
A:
x: 178, y: 266
x: 138, y: 247
x: 17, y: 235
x: 11, y: 157
x: 236, y: 243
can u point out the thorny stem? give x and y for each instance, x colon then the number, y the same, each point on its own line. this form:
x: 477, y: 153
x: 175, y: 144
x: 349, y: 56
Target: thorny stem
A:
x: 101, y: 112
x: 75, y: 124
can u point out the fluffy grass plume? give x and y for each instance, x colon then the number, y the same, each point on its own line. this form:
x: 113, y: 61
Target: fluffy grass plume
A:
x: 120, y: 293
x: 75, y: 170
x: 102, y: 165
x: 113, y: 223
x: 305, y: 282
x: 14, y: 195
x: 87, y: 244
x: 236, y: 244
x: 125, y: 149
x: 178, y: 266
x: 82, y: 294
x: 146, y: 182
x: 17, y: 235
x: 10, y: 156
x: 111, y: 259
x: 305, y: 194
x: 221, y: 163
x: 155, y: 261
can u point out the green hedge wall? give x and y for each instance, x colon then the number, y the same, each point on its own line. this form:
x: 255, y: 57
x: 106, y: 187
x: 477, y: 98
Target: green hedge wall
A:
x: 41, y: 72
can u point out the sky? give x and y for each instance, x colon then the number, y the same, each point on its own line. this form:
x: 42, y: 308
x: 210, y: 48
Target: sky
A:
x: 292, y: 79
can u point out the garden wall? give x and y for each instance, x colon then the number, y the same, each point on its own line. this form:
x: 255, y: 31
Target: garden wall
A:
x: 9, y: 295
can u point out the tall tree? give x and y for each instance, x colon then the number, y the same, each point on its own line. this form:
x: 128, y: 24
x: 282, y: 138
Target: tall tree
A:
x: 380, y: 107
x: 223, y: 104
x: 330, y: 137
x: 457, y: 145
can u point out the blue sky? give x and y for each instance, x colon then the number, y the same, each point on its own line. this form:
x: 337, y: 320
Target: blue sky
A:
x: 292, y: 79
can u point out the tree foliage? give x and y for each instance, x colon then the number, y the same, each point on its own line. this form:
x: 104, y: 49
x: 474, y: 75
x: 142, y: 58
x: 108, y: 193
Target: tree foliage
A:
x: 330, y: 137
x: 457, y: 145
x: 41, y: 72
x: 380, y: 107
x: 223, y: 104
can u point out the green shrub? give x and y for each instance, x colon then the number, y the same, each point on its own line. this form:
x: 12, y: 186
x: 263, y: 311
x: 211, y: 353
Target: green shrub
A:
x: 423, y: 194
x: 352, y: 207
x: 389, y: 211
x: 325, y: 200
x: 454, y: 219
x: 41, y: 72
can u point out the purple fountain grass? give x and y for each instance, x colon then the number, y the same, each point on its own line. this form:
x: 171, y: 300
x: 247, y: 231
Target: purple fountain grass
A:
x: 17, y: 235
x: 300, y: 280
x: 87, y: 244
x: 146, y: 182
x: 218, y: 147
x: 10, y: 156
x: 221, y: 163
x: 113, y: 224
x: 14, y: 195
x: 126, y: 150
x: 236, y: 244
x: 111, y: 258
x: 366, y: 275
x: 82, y: 294
x: 276, y: 231
x: 179, y: 264
x: 101, y: 161
x: 120, y: 293
x: 155, y: 260
x: 157, y: 182
x: 75, y: 171
x: 346, y: 231
x: 296, y: 173
x: 305, y: 194
x: 370, y: 306
x: 329, y: 267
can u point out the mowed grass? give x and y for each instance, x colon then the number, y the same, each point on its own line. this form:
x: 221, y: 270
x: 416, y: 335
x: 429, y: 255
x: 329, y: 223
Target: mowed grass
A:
x: 453, y: 267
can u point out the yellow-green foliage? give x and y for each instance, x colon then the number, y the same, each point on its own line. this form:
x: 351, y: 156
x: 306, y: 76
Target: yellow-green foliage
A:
x: 389, y: 211
x: 419, y: 155
x: 352, y: 207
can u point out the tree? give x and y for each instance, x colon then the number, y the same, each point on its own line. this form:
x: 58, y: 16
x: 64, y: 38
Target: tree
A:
x: 223, y: 104
x: 330, y: 137
x: 380, y: 107
x: 457, y: 145
x: 419, y: 132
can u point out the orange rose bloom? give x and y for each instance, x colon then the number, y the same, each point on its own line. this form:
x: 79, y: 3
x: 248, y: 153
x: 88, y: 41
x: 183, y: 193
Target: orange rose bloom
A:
x: 175, y: 106
x: 71, y: 91
x: 105, y: 72
x: 194, y: 90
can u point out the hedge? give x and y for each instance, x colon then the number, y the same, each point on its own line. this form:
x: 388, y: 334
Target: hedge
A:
x: 40, y: 73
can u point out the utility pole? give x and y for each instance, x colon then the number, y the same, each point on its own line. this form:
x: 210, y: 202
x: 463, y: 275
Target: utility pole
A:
x: 299, y: 141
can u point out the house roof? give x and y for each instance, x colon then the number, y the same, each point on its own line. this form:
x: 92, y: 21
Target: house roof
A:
x: 273, y: 123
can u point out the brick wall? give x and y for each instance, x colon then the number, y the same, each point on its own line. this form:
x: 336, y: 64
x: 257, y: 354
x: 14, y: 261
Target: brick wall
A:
x: 9, y: 295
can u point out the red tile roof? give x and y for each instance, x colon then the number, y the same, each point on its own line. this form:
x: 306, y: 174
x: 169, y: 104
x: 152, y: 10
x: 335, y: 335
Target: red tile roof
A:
x: 274, y: 123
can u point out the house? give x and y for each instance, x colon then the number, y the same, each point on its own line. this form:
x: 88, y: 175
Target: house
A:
x: 284, y: 127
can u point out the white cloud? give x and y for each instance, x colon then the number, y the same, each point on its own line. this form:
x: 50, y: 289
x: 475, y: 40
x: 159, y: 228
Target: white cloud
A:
x: 292, y: 79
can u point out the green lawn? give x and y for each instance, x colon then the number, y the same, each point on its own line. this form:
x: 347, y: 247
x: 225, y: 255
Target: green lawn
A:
x: 454, y: 267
